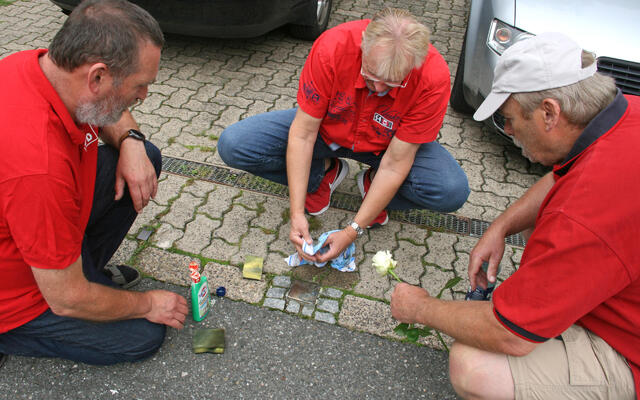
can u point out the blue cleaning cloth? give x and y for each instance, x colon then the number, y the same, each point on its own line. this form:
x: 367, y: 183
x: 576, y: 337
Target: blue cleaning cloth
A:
x: 345, y: 262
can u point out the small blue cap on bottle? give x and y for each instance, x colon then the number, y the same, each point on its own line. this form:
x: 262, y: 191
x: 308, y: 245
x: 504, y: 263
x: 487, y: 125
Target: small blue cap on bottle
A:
x: 221, y: 291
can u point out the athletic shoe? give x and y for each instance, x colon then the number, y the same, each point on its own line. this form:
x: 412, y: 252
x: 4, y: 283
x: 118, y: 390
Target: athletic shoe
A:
x: 123, y: 275
x: 479, y: 294
x: 318, y: 202
x: 364, y: 182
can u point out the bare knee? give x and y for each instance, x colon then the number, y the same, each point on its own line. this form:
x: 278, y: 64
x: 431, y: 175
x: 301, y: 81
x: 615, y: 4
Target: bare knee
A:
x: 477, y: 374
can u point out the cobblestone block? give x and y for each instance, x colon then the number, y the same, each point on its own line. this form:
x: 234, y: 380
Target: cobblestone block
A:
x: 198, y: 234
x: 182, y: 210
x: 276, y: 293
x: 274, y: 303
x: 236, y: 223
x: 327, y: 305
x: 371, y: 284
x: 281, y: 281
x: 441, y: 251
x: 166, y: 235
x: 325, y: 317
x: 332, y: 293
x: 293, y: 307
x: 307, y: 310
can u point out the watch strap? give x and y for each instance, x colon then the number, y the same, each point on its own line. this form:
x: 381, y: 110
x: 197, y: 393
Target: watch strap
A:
x: 357, y: 228
x: 132, y: 133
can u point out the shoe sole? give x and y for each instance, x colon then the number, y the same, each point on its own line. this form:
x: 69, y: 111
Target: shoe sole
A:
x: 344, y: 171
x: 360, y: 181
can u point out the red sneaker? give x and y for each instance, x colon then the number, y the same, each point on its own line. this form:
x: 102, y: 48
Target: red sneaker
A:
x: 318, y: 202
x: 364, y: 182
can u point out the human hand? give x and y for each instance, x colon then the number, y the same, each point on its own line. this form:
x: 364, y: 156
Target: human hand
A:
x: 136, y: 170
x: 167, y: 308
x: 299, y: 233
x: 336, y: 242
x: 490, y: 249
x: 407, y: 302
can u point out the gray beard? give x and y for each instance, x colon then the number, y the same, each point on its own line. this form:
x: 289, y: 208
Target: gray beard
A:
x: 103, y: 112
x: 521, y: 147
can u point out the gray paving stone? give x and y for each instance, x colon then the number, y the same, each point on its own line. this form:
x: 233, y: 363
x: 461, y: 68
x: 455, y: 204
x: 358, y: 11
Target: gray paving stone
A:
x: 307, y: 310
x: 327, y: 305
x: 332, y: 293
x: 219, y: 201
x: 281, y: 281
x: 371, y: 284
x: 182, y: 210
x: 255, y: 243
x: 274, y: 303
x: 166, y: 235
x: 197, y: 234
x: 441, y: 250
x: 276, y: 293
x: 293, y: 307
x: 325, y: 317
x: 409, y: 259
x: 236, y: 224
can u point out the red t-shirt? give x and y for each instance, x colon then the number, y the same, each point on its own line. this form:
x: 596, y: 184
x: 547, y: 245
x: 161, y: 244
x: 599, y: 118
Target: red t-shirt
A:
x: 47, y: 176
x: 332, y: 88
x: 582, y: 262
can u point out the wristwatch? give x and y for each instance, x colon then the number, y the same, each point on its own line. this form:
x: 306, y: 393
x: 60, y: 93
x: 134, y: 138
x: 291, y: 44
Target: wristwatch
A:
x: 132, y: 133
x: 356, y: 227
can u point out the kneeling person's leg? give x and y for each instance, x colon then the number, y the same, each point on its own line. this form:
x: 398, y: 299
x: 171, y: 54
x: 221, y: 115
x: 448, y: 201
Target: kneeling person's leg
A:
x: 95, y: 343
x: 435, y: 182
x: 258, y: 144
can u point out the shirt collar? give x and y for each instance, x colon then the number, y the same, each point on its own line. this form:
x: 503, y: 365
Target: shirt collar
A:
x: 49, y: 93
x: 599, y: 125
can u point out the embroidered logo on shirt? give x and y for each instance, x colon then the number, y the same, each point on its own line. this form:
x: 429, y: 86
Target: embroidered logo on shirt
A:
x: 341, y: 108
x: 310, y: 92
x: 90, y: 138
x: 383, y: 121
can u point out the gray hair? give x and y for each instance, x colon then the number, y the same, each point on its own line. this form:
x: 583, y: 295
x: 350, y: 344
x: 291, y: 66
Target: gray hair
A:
x: 403, y: 43
x: 108, y: 31
x: 580, y: 102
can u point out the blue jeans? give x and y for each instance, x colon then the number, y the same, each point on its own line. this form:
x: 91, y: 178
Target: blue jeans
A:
x: 50, y: 335
x: 258, y: 145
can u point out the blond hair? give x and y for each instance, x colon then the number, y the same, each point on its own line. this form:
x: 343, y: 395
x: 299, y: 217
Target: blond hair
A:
x: 580, y: 102
x: 401, y: 42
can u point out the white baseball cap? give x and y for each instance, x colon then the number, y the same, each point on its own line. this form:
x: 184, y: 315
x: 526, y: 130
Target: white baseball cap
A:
x: 549, y: 60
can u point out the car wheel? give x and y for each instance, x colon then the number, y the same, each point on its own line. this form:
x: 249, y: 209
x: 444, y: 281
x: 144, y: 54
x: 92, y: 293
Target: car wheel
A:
x: 457, y: 100
x: 311, y: 32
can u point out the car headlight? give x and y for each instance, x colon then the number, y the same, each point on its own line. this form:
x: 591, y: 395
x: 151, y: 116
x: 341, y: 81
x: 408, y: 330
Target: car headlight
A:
x: 502, y: 36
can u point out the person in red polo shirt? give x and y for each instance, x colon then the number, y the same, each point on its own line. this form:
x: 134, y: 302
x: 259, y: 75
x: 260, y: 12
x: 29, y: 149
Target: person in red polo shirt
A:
x: 66, y: 203
x: 374, y: 91
x: 566, y: 324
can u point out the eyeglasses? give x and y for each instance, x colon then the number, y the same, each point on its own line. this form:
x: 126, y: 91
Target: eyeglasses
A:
x: 390, y: 84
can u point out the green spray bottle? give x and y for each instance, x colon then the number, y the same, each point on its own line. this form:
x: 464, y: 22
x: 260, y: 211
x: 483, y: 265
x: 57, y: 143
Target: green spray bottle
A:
x: 199, y: 293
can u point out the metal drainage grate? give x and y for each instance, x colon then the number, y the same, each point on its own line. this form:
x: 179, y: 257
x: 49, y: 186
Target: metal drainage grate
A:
x: 243, y: 180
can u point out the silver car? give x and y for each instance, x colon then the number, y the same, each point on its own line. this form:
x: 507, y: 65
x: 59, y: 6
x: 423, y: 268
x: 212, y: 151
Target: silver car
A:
x: 610, y: 29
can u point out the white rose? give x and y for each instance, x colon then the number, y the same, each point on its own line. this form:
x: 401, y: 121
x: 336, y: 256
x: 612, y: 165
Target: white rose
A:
x: 383, y: 262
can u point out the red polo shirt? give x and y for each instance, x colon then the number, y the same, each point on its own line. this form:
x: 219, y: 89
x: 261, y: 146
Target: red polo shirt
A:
x: 47, y: 176
x: 332, y: 88
x: 582, y: 263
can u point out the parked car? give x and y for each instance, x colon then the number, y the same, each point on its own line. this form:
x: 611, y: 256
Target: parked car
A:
x: 306, y: 19
x: 610, y: 29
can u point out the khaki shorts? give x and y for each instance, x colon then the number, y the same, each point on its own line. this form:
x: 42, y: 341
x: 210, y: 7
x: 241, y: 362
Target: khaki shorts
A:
x: 580, y: 366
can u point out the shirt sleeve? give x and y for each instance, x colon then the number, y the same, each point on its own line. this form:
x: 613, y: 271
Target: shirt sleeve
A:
x: 316, y: 79
x: 566, y: 272
x: 43, y: 216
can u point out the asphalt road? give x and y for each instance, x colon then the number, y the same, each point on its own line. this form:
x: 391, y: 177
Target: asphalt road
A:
x: 268, y: 355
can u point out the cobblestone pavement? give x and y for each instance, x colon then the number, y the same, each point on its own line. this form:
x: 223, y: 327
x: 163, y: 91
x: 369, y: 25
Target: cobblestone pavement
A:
x: 205, y: 210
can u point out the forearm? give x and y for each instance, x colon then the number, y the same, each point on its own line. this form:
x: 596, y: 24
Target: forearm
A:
x: 385, y: 185
x: 111, y: 134
x: 302, y: 138
x: 522, y: 214
x: 472, y: 323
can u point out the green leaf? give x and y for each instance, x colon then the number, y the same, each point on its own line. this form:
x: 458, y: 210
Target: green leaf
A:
x: 450, y: 283
x: 413, y: 334
x: 401, y: 329
x: 426, y: 331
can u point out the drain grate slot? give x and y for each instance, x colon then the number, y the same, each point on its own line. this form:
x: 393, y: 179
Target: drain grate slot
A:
x: 242, y: 180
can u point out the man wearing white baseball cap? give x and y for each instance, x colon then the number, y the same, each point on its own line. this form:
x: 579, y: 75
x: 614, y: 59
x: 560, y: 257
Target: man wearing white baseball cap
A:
x: 566, y: 323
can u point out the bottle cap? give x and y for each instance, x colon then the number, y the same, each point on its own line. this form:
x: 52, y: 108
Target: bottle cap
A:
x: 193, y: 271
x: 221, y: 291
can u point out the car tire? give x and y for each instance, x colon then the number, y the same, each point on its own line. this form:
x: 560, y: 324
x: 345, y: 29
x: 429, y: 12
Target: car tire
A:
x: 457, y: 99
x: 311, y: 32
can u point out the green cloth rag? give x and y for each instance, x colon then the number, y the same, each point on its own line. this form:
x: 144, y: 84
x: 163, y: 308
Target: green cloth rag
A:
x: 207, y: 340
